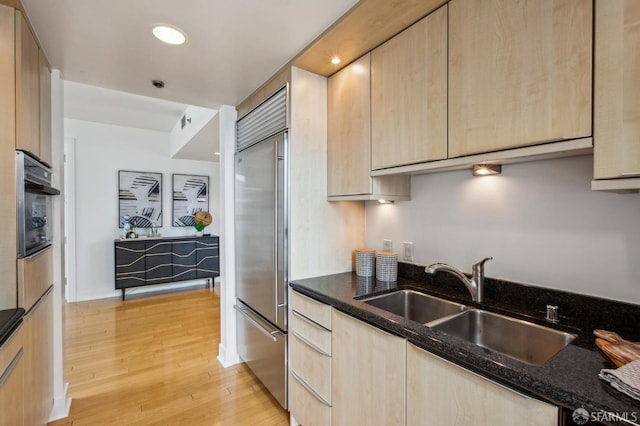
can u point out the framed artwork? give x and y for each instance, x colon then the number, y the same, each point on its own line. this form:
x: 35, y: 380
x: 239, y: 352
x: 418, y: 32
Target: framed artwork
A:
x: 140, y: 198
x: 190, y: 196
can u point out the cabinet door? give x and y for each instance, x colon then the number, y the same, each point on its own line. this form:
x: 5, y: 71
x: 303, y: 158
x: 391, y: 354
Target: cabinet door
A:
x: 35, y: 276
x: 368, y: 374
x: 616, y: 130
x: 38, y: 382
x: 448, y: 394
x: 130, y: 259
x: 409, y: 95
x: 207, y: 257
x: 519, y: 73
x: 158, y: 262
x: 12, y: 370
x: 349, y: 129
x: 8, y: 248
x: 45, y: 109
x: 27, y: 88
x: 183, y: 254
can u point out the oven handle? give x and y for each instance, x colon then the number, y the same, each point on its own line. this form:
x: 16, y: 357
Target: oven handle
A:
x: 40, y: 189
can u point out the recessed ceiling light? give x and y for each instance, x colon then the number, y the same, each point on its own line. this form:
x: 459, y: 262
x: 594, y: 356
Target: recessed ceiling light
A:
x: 335, y: 60
x: 169, y: 34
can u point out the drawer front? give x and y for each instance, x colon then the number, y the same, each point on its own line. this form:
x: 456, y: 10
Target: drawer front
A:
x: 316, y: 311
x: 307, y: 409
x: 10, y: 348
x: 307, y: 330
x: 310, y: 365
x: 35, y: 276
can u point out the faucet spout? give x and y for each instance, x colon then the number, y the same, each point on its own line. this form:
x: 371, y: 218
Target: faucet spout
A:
x: 475, y: 285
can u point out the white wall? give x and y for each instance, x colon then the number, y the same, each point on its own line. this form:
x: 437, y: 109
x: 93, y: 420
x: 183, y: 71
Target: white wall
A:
x: 540, y: 221
x: 227, y: 349
x: 102, y: 150
x: 61, y: 404
x: 198, y: 118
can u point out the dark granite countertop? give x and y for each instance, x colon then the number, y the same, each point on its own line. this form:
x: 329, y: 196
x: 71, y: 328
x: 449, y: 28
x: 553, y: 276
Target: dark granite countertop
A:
x: 9, y: 320
x: 569, y: 380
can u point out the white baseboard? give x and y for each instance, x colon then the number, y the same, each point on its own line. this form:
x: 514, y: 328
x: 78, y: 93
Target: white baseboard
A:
x: 293, y: 421
x: 61, y: 405
x: 227, y: 358
x: 139, y: 290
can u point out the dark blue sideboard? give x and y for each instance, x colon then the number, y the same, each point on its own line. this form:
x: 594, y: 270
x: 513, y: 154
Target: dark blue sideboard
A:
x: 140, y: 262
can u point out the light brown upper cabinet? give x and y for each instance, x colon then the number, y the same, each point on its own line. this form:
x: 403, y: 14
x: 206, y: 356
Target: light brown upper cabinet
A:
x: 27, y: 88
x: 520, y: 73
x: 409, y: 95
x: 349, y: 129
x: 349, y: 139
x: 45, y: 109
x: 616, y: 129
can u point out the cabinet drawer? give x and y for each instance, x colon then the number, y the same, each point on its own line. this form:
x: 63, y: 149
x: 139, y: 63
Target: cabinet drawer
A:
x: 314, y: 334
x: 310, y: 365
x: 316, y: 311
x: 307, y: 409
x: 11, y: 381
x: 10, y: 349
x: 35, y: 276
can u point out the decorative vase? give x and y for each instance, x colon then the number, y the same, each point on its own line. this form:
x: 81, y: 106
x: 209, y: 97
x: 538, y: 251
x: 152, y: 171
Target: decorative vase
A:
x: 198, y: 233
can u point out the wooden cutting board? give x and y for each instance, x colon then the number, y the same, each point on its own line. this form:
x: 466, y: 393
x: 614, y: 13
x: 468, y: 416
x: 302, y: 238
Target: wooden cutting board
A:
x: 617, y: 349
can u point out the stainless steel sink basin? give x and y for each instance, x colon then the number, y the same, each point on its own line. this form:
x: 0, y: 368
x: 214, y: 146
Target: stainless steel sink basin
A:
x: 414, y: 305
x: 524, y: 341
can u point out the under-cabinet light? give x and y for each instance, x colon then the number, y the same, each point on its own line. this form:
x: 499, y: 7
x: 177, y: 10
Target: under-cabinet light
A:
x: 386, y: 201
x: 335, y: 60
x: 486, y: 169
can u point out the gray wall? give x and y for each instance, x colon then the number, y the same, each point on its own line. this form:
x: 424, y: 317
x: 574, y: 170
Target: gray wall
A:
x: 540, y: 221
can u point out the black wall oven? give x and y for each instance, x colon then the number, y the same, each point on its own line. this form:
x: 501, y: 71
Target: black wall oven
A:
x: 34, y: 204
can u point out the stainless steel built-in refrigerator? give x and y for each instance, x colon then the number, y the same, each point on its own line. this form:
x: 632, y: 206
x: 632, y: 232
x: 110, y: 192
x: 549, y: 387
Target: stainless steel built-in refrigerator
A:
x: 261, y: 260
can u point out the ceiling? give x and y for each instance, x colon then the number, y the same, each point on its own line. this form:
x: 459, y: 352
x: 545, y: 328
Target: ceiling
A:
x: 91, y: 103
x: 233, y: 45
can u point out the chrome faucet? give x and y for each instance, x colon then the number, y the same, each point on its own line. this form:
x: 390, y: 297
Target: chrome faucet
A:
x: 475, y: 285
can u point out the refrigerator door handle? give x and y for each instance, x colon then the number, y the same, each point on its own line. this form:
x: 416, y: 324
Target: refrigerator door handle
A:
x: 249, y: 315
x: 280, y: 226
x: 276, y: 197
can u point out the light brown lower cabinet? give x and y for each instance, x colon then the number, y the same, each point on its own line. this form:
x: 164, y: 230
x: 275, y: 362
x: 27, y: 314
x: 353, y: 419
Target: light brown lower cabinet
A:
x: 38, y: 384
x: 442, y: 393
x: 309, y: 361
x: 35, y: 276
x: 12, y: 367
x: 368, y: 374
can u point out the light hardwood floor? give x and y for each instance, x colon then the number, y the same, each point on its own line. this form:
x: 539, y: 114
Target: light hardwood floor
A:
x: 152, y: 361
